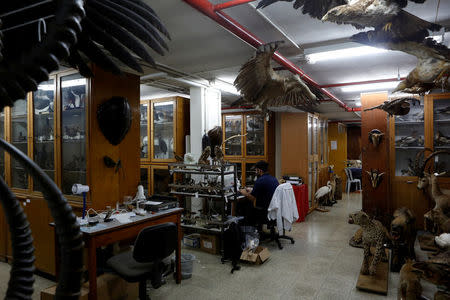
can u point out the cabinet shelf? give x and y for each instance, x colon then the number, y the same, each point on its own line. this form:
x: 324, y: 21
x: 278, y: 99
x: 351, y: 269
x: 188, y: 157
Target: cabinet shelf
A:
x: 442, y: 121
x: 410, y: 148
x: 442, y: 147
x: 73, y: 110
x: 400, y: 123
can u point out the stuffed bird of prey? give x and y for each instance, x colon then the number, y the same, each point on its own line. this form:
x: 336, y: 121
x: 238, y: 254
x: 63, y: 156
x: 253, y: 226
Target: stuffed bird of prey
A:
x: 39, y: 35
x: 383, y: 15
x: 397, y: 107
x: 433, y: 62
x: 259, y: 85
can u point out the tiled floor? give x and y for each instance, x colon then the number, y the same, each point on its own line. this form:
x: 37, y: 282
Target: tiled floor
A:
x: 320, y: 265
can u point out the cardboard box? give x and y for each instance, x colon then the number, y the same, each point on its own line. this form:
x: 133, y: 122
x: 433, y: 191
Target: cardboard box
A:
x: 209, y: 243
x: 257, y: 256
x: 192, y: 240
x: 109, y: 287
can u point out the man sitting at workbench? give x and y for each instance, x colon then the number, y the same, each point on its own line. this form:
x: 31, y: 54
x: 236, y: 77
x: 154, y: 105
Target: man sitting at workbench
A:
x: 254, y: 206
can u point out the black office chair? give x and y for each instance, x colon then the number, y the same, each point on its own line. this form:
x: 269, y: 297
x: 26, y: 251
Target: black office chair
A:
x: 144, y: 262
x: 271, y: 224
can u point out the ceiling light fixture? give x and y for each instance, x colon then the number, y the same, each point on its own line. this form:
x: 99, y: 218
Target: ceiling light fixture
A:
x: 370, y: 87
x: 343, y: 53
x: 224, y: 87
x: 358, y: 103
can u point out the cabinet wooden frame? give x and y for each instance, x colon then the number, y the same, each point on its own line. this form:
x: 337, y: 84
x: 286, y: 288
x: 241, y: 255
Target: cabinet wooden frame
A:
x: 179, y: 128
x: 403, y: 188
x: 244, y: 116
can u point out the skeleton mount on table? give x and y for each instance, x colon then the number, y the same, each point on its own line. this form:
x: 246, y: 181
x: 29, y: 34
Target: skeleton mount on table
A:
x: 37, y: 36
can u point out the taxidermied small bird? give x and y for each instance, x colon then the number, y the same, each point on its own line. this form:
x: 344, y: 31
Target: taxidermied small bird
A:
x: 203, y: 160
x: 162, y: 145
x: 445, y: 110
x: 440, y: 139
x: 178, y: 158
x: 218, y: 155
x: 397, y: 107
x: 261, y: 86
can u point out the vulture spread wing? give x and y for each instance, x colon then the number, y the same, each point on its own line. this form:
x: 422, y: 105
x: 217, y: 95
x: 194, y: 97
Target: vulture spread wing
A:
x: 119, y: 27
x: 433, y: 62
x: 259, y: 85
x: 315, y: 8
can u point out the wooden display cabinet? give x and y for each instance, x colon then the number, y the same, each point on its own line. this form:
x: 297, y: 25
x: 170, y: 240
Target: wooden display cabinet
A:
x: 57, y: 127
x: 305, y: 155
x: 410, y: 134
x: 164, y: 124
x: 257, y: 143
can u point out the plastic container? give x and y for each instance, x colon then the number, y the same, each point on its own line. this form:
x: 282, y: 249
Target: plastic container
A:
x: 187, y: 265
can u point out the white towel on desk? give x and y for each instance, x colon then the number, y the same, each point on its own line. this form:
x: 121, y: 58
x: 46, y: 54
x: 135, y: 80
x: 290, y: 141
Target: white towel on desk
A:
x: 283, y: 207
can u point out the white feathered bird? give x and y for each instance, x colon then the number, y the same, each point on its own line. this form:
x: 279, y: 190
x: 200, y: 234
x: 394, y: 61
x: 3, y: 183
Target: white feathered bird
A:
x: 323, y: 191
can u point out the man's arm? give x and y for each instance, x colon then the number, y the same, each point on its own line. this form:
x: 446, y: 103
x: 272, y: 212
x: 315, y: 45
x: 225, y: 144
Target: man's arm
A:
x: 247, y: 194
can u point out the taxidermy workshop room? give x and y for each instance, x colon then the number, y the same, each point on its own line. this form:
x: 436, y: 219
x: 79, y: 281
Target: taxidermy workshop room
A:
x: 225, y: 149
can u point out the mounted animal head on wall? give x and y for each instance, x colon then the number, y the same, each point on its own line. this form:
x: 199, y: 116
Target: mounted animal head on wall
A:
x: 375, y: 136
x: 114, y: 119
x: 375, y: 177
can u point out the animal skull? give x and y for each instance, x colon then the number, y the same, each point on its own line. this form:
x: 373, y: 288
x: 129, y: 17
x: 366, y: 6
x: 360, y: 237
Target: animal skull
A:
x: 375, y: 177
x: 375, y: 136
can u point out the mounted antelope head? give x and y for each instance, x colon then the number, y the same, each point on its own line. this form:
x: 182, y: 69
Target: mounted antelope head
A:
x: 419, y: 167
x: 375, y: 136
x: 375, y: 177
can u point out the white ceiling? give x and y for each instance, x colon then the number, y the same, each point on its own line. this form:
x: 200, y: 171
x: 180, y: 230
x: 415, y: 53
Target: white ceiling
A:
x: 203, y: 48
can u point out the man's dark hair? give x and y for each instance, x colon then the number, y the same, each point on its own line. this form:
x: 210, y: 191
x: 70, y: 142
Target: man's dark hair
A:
x: 262, y: 165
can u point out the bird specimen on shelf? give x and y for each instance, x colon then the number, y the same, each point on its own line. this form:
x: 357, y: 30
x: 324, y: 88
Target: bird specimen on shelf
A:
x: 433, y: 62
x: 203, y: 160
x: 218, y: 157
x: 440, y: 139
x: 387, y: 17
x: 397, y: 107
x: 178, y: 158
x: 445, y: 110
x: 408, y: 141
x: 261, y: 86
x: 77, y: 31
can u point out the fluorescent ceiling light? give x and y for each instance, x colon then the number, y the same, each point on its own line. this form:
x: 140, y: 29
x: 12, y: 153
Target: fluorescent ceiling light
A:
x: 225, y: 87
x: 358, y: 103
x: 370, y: 87
x: 73, y: 82
x: 343, y: 53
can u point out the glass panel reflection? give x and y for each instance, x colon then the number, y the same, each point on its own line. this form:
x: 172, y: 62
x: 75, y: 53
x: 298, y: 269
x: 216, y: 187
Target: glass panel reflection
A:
x: 250, y: 174
x: 144, y: 130
x: 19, y: 134
x: 255, y: 135
x: 73, y: 127
x: 161, y: 180
x: 163, y: 130
x: 2, y: 152
x: 144, y: 179
x: 233, y: 125
x: 441, y: 139
x: 44, y: 129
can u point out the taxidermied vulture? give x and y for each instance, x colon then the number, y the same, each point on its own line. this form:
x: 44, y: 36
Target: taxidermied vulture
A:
x: 397, y: 107
x: 39, y: 35
x: 215, y: 136
x: 383, y: 15
x: 261, y: 86
x: 433, y: 62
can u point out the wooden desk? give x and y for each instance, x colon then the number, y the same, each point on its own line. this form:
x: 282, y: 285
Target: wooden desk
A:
x: 107, y: 233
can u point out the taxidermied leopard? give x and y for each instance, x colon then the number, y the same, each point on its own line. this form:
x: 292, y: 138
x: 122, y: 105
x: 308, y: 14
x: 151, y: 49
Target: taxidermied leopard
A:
x: 374, y: 234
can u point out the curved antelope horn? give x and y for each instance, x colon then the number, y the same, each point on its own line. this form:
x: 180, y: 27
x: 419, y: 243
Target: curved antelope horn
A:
x: 419, y: 165
x: 433, y: 155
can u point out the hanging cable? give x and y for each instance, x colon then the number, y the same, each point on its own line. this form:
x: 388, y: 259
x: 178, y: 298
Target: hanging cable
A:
x: 41, y: 24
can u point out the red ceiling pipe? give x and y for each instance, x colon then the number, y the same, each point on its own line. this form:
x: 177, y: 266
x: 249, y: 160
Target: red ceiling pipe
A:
x: 241, y: 32
x: 361, y: 82
x: 231, y: 3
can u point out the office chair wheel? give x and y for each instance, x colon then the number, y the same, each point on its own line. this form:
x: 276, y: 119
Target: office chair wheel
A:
x: 292, y: 242
x: 222, y: 260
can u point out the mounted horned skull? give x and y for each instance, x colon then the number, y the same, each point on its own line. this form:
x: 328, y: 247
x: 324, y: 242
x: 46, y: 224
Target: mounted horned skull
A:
x: 375, y: 136
x: 375, y: 177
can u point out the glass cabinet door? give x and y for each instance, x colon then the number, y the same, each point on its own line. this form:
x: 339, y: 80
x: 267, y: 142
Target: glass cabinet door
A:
x: 409, y: 139
x: 325, y: 143
x: 255, y: 135
x: 233, y: 126
x: 163, y: 130
x: 44, y: 129
x: 315, y: 136
x: 310, y: 184
x: 321, y: 134
x: 250, y: 174
x: 160, y: 181
x: 144, y: 180
x: 441, y: 138
x: 73, y: 131
x: 2, y: 152
x: 310, y: 135
x: 144, y: 130
x: 19, y: 134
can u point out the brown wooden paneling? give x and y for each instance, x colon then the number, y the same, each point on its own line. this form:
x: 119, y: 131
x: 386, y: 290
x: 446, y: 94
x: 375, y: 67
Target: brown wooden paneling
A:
x: 294, y: 144
x: 354, y: 143
x: 108, y: 187
x: 375, y: 201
